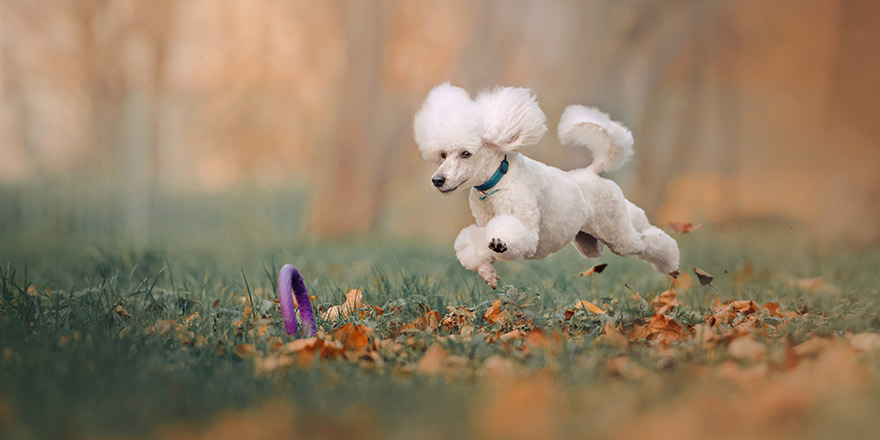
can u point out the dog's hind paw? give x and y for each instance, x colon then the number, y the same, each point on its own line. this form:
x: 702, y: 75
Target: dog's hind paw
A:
x: 497, y: 245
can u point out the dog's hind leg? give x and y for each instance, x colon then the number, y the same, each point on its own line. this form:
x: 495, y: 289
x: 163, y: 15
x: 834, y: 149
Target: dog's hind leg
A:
x: 587, y: 245
x: 661, y: 250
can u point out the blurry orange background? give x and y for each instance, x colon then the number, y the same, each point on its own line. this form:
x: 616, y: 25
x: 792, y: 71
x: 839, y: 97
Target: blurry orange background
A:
x: 742, y: 110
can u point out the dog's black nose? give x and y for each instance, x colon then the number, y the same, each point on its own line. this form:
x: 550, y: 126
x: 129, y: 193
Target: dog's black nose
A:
x: 438, y: 181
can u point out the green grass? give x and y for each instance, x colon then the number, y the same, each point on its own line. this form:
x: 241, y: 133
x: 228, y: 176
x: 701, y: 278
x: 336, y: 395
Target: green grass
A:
x: 72, y: 367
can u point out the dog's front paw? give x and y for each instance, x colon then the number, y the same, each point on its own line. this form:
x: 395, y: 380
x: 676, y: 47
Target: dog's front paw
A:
x: 489, y: 275
x: 497, y: 245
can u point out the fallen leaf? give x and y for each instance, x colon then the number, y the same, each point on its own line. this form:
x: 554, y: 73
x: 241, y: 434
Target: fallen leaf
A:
x: 612, y: 336
x: 704, y: 277
x: 864, y: 342
x: 812, y: 347
x: 728, y: 313
x: 665, y: 302
x: 622, y: 367
x: 595, y: 269
x: 245, y: 350
x: 353, y: 337
x: 638, y: 332
x: 683, y: 227
x: 536, y: 338
x: 513, y: 334
x: 299, y: 345
x: 493, y: 314
x: 457, y: 318
x: 353, y: 303
x: 590, y: 307
x: 665, y: 329
x: 428, y: 319
x: 747, y: 348
x: 121, y: 312
x: 432, y: 361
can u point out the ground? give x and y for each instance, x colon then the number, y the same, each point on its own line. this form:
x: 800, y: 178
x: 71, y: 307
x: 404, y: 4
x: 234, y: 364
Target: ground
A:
x: 179, y: 341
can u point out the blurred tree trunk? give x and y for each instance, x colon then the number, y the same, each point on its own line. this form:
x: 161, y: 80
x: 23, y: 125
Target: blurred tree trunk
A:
x: 346, y: 196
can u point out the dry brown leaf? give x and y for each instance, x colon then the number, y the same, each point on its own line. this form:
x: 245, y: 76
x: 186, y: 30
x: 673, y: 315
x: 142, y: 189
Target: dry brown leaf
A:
x: 683, y: 227
x: 728, y: 313
x: 353, y: 337
x: 612, y: 336
x: 513, y: 334
x: 432, y: 361
x: 590, y: 307
x: 665, y: 302
x: 595, y: 269
x: 864, y: 342
x: 664, y: 330
x: 747, y: 348
x: 493, y: 314
x: 268, y: 364
x: 457, y: 318
x: 812, y: 347
x: 536, y: 338
x: 245, y: 350
x: 704, y: 277
x: 299, y: 345
x: 638, y: 332
x: 121, y: 312
x: 622, y: 367
x: 353, y: 303
x: 428, y: 319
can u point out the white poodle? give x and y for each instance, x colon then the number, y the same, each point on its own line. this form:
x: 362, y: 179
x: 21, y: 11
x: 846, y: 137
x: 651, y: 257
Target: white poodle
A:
x: 524, y: 208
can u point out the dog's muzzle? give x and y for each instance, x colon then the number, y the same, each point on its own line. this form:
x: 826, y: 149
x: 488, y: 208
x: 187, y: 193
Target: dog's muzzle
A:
x: 438, y: 181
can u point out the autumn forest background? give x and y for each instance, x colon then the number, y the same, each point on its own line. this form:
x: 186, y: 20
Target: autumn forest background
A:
x: 742, y: 110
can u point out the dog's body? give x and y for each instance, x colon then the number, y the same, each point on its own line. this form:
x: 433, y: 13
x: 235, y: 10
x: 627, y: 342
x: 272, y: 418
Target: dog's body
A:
x: 524, y: 208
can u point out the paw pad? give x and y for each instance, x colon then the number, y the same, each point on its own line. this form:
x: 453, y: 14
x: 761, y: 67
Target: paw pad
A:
x: 497, y: 245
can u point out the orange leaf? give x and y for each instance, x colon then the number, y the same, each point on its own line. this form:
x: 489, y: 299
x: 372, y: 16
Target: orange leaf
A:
x: 665, y: 302
x: 353, y: 337
x: 493, y: 314
x: 513, y: 334
x: 595, y: 269
x: 245, y: 350
x: 683, y: 227
x: 665, y: 329
x: 432, y: 361
x: 728, y: 313
x: 590, y: 307
x: 353, y: 303
x: 537, y: 339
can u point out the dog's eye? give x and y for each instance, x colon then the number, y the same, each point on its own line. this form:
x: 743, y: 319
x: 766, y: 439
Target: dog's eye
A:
x: 443, y: 155
x: 465, y: 154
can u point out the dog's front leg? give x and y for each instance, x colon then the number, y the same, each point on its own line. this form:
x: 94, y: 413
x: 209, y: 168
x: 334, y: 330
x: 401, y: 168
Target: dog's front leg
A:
x: 471, y: 250
x: 510, y: 239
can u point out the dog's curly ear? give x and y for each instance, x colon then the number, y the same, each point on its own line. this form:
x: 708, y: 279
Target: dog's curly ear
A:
x: 511, y: 117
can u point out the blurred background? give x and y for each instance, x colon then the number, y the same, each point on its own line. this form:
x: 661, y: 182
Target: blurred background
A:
x: 150, y: 120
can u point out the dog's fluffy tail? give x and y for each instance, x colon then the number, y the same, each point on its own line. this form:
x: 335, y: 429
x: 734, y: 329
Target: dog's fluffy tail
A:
x: 610, y: 143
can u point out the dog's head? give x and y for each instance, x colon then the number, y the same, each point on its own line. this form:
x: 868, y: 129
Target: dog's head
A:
x: 468, y: 137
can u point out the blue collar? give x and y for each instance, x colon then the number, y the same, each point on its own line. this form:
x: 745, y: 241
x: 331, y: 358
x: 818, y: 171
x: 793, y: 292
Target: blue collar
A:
x: 499, y: 173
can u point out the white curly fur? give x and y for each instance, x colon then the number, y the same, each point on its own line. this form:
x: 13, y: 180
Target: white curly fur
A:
x: 535, y: 209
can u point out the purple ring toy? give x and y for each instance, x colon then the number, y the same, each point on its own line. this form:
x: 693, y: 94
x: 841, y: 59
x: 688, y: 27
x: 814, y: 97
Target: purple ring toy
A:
x: 290, y: 279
